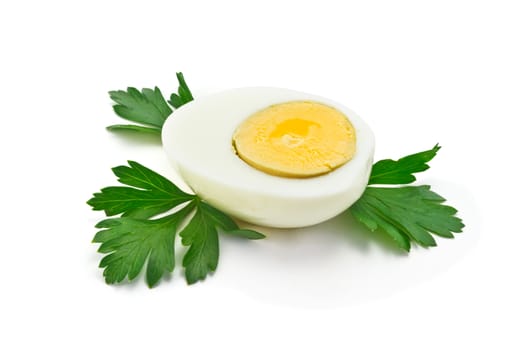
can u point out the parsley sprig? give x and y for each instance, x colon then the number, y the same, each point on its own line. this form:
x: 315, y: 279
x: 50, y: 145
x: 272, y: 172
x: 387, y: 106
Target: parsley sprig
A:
x: 148, y: 107
x: 405, y: 213
x: 139, y: 236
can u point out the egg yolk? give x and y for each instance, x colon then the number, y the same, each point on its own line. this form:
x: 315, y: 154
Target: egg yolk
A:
x: 296, y: 139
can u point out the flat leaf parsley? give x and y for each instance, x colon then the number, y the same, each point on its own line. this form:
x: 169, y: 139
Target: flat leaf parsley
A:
x: 136, y: 237
x: 148, y: 107
x: 398, y: 172
x: 405, y: 213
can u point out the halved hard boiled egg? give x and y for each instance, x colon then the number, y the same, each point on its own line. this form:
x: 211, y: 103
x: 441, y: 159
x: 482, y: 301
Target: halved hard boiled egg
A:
x: 269, y: 156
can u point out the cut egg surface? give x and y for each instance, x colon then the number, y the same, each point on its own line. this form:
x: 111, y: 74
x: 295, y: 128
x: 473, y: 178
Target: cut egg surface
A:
x: 269, y: 156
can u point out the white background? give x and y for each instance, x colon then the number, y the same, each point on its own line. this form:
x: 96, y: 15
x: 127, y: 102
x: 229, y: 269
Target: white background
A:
x: 419, y: 72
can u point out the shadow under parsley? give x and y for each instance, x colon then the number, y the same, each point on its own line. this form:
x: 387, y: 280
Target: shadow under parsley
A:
x: 343, y: 227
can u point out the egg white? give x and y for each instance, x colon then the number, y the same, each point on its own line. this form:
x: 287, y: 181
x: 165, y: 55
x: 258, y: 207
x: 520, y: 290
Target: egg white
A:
x: 197, y: 138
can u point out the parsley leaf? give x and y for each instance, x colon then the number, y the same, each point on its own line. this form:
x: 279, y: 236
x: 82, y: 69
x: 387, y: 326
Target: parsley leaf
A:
x: 203, y: 254
x: 134, y: 128
x: 388, y: 171
x: 405, y: 213
x: 148, y: 107
x: 202, y: 238
x: 130, y: 242
x: 152, y: 194
x: 135, y: 238
x: 184, y: 95
x: 245, y: 233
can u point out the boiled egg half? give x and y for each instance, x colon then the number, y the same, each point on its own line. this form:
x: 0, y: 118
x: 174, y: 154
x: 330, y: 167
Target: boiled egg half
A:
x: 269, y: 156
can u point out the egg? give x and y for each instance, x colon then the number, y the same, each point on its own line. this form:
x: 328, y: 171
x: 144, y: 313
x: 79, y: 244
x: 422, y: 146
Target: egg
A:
x: 270, y: 156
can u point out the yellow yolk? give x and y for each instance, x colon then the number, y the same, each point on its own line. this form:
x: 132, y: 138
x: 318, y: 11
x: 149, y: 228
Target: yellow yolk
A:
x: 296, y: 139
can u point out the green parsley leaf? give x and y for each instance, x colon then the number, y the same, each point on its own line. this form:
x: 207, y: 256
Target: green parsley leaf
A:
x: 151, y: 194
x: 147, y: 107
x: 388, y: 171
x: 134, y: 128
x: 218, y: 217
x: 202, y: 238
x: 245, y: 233
x: 129, y: 242
x: 203, y: 254
x: 228, y: 226
x: 134, y: 238
x: 184, y: 95
x: 406, y: 213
